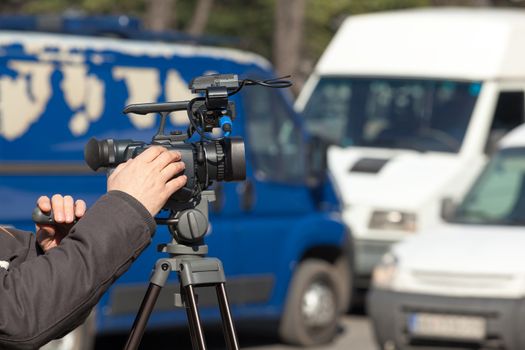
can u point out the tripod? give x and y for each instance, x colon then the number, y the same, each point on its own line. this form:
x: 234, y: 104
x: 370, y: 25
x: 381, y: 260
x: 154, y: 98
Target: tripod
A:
x: 188, y: 226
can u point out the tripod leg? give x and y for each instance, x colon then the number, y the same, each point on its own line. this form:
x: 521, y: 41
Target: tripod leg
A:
x: 227, y: 321
x: 191, y: 327
x: 146, y: 307
x: 196, y: 332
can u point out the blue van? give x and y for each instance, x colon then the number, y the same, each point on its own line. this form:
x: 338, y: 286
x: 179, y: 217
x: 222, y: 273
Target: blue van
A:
x: 279, y: 235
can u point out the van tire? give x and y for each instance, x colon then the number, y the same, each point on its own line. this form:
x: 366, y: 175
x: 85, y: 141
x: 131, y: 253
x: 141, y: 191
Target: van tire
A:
x: 312, y: 310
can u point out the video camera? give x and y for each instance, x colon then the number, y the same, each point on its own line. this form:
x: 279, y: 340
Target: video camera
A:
x: 210, y: 158
x: 207, y: 159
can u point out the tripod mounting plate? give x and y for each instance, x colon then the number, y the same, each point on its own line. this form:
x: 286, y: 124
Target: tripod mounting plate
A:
x: 180, y: 249
x: 195, y: 271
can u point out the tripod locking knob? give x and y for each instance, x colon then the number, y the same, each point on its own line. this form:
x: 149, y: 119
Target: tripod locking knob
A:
x: 192, y: 225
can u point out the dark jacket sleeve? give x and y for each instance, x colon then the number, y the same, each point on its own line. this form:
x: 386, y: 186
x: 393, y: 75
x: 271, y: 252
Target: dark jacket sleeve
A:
x: 44, y: 297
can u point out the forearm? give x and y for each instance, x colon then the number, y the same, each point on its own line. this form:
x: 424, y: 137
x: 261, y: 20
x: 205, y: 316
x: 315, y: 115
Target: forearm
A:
x: 46, y: 296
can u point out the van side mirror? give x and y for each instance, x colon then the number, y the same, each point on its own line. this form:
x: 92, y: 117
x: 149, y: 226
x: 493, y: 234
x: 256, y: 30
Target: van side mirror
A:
x: 316, y: 160
x: 448, y: 208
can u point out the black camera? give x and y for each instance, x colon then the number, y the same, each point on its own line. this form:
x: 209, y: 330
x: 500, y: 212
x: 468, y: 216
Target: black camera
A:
x: 214, y: 156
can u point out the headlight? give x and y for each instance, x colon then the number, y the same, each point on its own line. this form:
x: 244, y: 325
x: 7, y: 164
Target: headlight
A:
x: 393, y: 220
x: 385, y: 272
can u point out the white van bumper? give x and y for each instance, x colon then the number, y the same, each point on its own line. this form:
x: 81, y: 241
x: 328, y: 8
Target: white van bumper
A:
x: 402, y: 320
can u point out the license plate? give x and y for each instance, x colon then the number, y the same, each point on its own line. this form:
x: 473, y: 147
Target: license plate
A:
x: 457, y: 327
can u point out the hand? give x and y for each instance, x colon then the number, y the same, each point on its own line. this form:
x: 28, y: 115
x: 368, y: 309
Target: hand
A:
x: 65, y: 210
x: 150, y: 177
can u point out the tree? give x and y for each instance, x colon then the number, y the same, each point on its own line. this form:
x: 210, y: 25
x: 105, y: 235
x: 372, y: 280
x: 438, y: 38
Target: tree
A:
x: 200, y: 17
x: 160, y: 15
x: 287, y: 39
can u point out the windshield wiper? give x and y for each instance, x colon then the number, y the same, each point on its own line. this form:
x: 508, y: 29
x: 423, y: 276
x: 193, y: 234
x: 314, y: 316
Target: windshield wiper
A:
x: 467, y: 217
x: 392, y: 142
x: 483, y: 218
x: 514, y: 221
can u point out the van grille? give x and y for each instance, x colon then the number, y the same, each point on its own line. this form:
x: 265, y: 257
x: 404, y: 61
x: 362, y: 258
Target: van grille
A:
x: 487, y: 281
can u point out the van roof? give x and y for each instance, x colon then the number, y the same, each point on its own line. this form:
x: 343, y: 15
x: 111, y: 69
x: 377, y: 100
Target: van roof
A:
x: 515, y: 138
x: 67, y: 45
x: 449, y: 43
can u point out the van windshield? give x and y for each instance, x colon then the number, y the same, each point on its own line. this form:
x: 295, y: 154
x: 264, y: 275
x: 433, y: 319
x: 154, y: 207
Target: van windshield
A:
x: 498, y: 196
x: 425, y: 115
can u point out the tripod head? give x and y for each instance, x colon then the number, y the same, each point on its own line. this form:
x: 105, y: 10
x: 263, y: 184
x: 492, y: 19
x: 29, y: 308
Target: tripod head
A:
x: 187, y: 223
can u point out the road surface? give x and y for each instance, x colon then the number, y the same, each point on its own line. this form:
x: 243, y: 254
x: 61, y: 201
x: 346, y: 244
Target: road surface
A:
x: 355, y: 333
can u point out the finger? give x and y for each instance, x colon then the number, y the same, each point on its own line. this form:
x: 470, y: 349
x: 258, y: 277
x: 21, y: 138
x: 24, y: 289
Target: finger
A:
x: 44, y: 203
x: 69, y: 209
x: 171, y: 170
x: 114, y: 174
x: 151, y: 153
x: 176, y: 155
x: 176, y: 184
x: 45, y: 237
x: 44, y: 231
x: 118, y: 169
x: 165, y: 158
x: 80, y: 208
x: 57, y: 203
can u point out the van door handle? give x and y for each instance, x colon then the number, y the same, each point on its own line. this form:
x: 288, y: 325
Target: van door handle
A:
x: 246, y: 192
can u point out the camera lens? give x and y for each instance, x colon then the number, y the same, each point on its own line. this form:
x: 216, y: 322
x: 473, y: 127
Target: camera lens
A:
x: 226, y: 160
x: 105, y: 153
x: 235, y: 160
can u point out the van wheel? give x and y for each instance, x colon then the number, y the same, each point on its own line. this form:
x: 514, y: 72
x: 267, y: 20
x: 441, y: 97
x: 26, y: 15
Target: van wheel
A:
x: 81, y: 338
x: 313, y: 305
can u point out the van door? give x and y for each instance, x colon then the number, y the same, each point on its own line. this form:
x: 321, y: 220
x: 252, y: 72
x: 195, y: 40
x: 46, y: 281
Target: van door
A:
x: 274, y: 196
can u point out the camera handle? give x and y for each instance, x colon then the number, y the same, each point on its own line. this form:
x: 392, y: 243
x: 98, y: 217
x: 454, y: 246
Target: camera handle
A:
x: 194, y: 270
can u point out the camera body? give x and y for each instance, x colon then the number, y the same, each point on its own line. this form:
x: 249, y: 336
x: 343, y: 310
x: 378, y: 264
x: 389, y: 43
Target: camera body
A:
x: 208, y: 159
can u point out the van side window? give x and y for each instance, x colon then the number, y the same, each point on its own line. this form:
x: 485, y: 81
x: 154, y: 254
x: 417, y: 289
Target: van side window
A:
x: 274, y: 140
x: 509, y: 111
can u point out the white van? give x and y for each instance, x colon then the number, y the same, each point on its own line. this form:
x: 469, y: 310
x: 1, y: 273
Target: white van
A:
x: 412, y: 102
x: 462, y: 284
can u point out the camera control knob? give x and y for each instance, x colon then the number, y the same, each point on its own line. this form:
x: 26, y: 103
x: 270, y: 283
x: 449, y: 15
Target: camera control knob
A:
x: 192, y: 225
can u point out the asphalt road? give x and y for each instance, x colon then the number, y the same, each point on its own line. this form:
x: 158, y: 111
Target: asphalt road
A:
x: 355, y: 334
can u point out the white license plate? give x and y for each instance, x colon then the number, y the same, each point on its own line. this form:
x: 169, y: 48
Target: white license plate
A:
x: 458, y: 327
